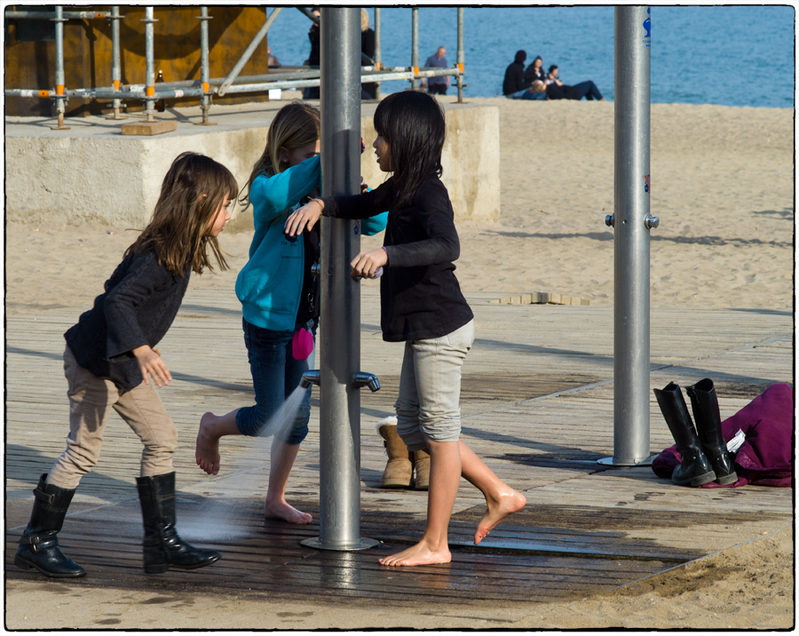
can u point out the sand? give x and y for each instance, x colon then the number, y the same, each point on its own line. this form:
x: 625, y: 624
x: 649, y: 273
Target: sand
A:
x: 722, y: 186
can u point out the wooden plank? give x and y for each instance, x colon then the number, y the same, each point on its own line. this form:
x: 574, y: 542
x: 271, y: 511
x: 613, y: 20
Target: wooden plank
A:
x: 538, y: 407
x: 149, y: 127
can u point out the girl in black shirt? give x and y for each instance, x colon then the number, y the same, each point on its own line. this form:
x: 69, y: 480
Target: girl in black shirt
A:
x: 112, y: 361
x: 422, y: 305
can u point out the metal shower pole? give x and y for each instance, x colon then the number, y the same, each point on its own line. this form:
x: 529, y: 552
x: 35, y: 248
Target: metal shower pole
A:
x: 340, y: 346
x: 632, y: 222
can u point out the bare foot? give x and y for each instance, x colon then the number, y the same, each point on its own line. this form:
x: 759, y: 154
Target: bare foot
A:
x: 207, y: 449
x: 508, y: 502
x: 419, y: 554
x: 283, y: 510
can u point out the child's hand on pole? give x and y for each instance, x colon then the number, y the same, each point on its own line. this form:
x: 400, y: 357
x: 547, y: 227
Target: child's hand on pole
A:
x: 366, y: 264
x: 150, y: 363
x: 304, y: 218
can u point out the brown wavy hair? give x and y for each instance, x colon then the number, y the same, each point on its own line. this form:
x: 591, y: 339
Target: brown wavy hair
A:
x: 191, y: 193
x: 295, y: 125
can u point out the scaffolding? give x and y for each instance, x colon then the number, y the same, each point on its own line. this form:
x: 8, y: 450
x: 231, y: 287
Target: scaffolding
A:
x: 372, y: 70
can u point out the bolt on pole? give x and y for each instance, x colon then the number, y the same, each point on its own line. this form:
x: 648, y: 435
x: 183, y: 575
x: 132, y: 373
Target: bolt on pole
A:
x: 632, y: 222
x: 340, y: 345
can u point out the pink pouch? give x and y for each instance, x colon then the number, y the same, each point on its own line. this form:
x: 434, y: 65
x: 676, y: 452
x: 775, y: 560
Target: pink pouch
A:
x: 302, y: 344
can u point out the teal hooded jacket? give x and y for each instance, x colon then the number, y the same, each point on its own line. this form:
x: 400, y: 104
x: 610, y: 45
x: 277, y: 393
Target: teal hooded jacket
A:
x: 269, y: 286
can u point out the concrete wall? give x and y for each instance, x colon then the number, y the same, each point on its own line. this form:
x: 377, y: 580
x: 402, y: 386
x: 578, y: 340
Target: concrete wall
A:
x: 93, y: 173
x: 470, y: 160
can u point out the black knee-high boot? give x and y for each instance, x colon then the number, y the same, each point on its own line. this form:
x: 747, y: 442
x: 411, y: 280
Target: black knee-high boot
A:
x: 705, y: 405
x: 163, y: 548
x: 695, y: 468
x: 38, y: 547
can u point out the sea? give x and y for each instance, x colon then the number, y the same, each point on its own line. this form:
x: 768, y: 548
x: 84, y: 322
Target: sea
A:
x: 727, y: 55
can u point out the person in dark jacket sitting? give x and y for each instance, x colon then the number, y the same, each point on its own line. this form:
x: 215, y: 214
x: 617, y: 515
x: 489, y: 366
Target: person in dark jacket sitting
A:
x: 558, y: 90
x: 535, y: 71
x: 514, y: 85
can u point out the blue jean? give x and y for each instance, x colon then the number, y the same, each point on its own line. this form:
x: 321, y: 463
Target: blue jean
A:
x: 588, y: 90
x: 275, y: 376
x: 531, y: 95
x: 517, y: 94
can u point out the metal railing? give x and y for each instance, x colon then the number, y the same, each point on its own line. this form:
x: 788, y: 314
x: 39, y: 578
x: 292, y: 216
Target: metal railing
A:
x: 205, y: 88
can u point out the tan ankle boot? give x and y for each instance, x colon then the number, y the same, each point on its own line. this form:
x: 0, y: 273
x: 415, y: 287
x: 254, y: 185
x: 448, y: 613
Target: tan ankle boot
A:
x: 421, y: 466
x: 399, y: 468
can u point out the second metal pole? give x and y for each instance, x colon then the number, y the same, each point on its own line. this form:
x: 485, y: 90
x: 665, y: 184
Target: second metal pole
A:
x: 632, y: 222
x: 340, y: 346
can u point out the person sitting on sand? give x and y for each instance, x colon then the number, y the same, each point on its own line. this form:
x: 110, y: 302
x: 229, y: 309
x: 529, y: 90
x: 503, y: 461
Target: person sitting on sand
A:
x: 558, y: 90
x: 514, y: 86
x: 537, y: 91
x: 535, y: 71
x: 421, y: 304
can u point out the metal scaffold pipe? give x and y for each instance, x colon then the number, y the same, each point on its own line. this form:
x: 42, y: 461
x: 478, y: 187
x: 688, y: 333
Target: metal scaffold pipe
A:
x: 61, y: 102
x: 205, y: 69
x: 250, y: 50
x: 149, y: 75
x: 116, y: 59
x: 378, y: 49
x: 632, y: 222
x: 414, y: 47
x: 49, y: 15
x: 206, y: 87
x: 340, y: 351
x: 460, y: 55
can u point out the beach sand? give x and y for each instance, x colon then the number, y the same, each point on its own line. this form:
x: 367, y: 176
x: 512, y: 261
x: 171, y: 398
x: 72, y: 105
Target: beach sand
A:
x: 722, y: 186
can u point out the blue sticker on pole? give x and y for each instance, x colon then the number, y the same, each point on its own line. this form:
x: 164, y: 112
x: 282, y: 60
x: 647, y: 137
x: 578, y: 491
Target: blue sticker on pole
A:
x: 648, y: 28
x: 646, y: 183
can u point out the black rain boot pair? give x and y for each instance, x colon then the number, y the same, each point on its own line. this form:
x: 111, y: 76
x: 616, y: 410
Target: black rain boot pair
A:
x: 704, y: 456
x: 163, y: 548
x: 38, y: 547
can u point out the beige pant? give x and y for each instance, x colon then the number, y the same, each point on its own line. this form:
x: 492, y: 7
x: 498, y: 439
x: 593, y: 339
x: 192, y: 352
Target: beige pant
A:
x: 428, y: 406
x: 90, y: 401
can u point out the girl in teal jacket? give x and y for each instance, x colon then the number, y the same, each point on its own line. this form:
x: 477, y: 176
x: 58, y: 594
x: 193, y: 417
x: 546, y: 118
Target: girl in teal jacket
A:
x: 280, y: 300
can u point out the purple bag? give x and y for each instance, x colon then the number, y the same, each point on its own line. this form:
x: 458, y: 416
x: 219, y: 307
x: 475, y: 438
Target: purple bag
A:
x: 301, y: 344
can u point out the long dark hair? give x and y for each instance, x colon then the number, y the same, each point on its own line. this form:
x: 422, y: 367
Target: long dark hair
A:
x: 412, y: 123
x: 192, y: 191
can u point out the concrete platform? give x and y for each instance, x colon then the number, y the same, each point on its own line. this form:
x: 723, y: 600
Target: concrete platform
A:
x: 538, y: 407
x: 95, y: 172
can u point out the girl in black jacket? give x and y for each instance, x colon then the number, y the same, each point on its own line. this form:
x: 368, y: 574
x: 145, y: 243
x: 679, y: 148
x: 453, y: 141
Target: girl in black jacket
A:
x: 112, y: 361
x: 422, y: 305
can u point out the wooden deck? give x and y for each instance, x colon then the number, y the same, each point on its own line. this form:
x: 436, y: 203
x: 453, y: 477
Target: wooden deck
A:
x: 538, y: 407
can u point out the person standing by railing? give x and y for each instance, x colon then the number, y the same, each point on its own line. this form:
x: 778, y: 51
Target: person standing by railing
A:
x: 437, y: 85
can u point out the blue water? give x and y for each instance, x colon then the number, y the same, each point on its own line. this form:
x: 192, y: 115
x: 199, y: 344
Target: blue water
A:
x: 728, y: 55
